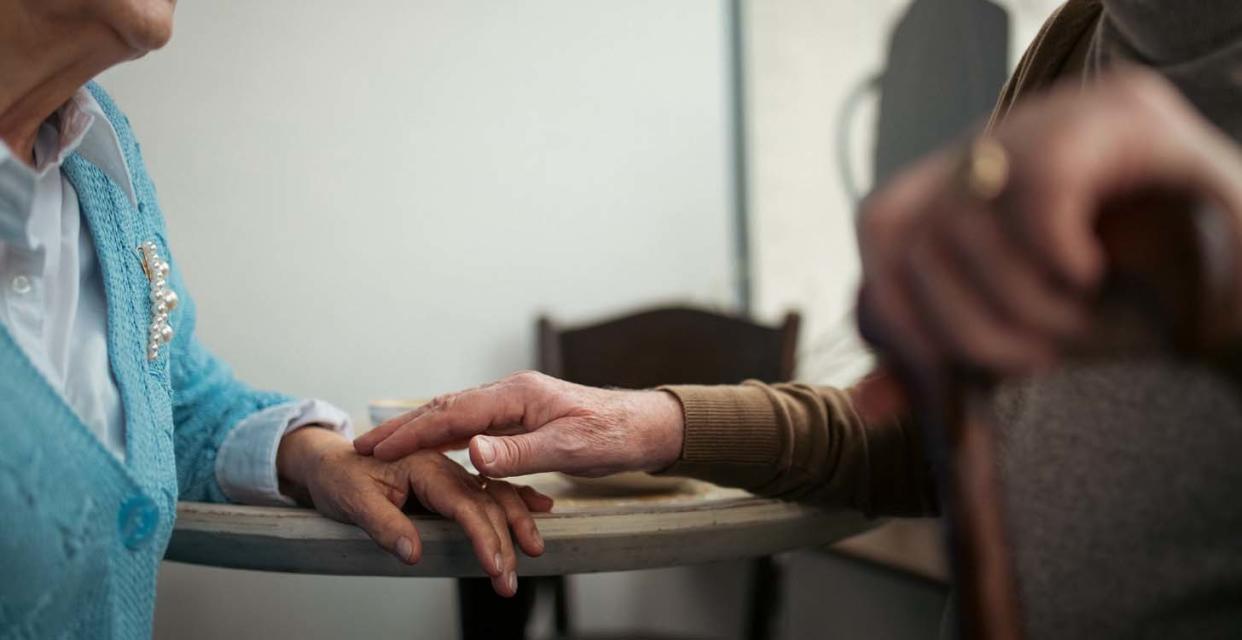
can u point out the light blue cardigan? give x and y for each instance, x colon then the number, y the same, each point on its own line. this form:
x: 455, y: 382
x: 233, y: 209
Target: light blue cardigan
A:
x: 82, y: 534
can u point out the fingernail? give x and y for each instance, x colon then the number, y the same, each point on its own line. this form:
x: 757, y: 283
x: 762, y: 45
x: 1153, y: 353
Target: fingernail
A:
x: 534, y: 532
x: 498, y: 563
x: 511, y: 580
x: 487, y: 450
x: 405, y: 548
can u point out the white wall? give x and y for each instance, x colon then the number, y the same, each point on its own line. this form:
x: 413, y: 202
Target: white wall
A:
x: 376, y: 198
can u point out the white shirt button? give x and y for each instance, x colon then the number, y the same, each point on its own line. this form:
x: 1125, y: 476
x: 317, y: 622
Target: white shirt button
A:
x: 21, y: 285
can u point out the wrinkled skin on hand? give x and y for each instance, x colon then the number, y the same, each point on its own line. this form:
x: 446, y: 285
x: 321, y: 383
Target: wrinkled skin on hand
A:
x: 321, y: 469
x: 529, y: 422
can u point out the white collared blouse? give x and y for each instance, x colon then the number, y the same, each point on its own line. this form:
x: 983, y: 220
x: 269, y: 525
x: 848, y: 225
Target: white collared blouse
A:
x: 52, y: 301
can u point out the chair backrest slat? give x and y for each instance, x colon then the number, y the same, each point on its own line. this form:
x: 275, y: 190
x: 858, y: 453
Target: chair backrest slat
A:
x: 673, y: 345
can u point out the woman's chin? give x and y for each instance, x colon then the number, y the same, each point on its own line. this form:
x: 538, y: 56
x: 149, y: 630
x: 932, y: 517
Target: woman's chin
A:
x: 146, y: 25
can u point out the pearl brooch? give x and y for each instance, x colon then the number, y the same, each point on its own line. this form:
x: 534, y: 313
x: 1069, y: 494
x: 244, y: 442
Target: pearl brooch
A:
x: 163, y: 299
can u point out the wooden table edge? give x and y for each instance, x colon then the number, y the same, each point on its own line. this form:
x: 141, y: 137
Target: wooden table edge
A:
x: 301, y: 541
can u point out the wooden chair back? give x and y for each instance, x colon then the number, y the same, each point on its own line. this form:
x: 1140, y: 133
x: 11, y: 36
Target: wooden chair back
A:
x: 671, y: 345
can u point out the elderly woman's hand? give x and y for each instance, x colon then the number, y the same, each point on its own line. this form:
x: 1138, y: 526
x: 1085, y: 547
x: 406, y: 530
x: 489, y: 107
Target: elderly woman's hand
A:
x: 991, y: 258
x: 321, y: 468
x: 530, y: 422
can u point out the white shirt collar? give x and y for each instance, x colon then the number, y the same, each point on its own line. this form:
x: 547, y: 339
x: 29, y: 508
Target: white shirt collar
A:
x: 79, y: 125
x: 86, y: 129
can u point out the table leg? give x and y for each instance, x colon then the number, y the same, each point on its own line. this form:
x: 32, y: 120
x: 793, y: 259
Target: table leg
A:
x: 765, y: 599
x: 487, y: 616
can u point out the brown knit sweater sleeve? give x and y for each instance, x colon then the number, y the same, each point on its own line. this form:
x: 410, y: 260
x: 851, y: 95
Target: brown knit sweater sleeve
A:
x: 803, y: 443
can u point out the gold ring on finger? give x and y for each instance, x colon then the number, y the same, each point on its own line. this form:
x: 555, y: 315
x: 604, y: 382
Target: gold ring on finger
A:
x: 984, y: 170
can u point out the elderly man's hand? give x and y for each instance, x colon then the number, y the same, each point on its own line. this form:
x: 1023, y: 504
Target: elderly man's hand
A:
x: 530, y: 422
x: 320, y: 468
x: 991, y: 258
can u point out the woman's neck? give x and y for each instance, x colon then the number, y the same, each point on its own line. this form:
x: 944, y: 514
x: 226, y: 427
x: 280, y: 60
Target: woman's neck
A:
x: 41, y: 67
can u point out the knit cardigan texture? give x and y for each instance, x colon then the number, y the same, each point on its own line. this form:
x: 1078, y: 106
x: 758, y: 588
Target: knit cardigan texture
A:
x: 82, y: 533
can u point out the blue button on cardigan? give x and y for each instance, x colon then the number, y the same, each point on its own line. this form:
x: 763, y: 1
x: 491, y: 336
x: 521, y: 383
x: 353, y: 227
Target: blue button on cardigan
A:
x: 82, y: 533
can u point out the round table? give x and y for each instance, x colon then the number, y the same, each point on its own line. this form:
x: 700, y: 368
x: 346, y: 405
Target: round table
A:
x: 589, y: 530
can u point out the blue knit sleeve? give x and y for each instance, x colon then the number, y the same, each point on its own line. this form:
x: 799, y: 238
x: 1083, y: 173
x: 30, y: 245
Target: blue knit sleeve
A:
x: 208, y: 402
